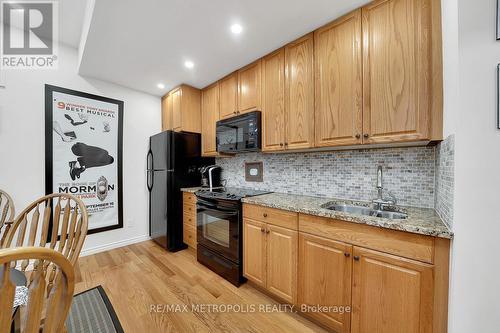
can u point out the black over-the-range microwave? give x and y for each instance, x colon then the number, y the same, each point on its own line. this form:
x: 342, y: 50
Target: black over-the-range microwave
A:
x: 239, y: 134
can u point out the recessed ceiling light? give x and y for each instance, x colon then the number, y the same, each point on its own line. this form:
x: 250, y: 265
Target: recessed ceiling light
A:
x: 236, y: 28
x: 189, y: 64
x: 160, y: 86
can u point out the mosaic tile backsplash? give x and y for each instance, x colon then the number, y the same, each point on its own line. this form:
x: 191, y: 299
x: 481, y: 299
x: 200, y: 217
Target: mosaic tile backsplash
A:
x: 445, y: 164
x: 409, y: 173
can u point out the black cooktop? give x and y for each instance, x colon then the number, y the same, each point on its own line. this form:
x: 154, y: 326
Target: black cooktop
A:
x: 229, y: 193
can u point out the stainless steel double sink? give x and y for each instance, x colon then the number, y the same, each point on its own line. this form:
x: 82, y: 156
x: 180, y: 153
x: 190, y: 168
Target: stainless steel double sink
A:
x: 367, y: 211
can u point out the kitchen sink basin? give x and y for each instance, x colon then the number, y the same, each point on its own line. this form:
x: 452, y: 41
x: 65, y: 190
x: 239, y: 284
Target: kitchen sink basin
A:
x: 361, y: 210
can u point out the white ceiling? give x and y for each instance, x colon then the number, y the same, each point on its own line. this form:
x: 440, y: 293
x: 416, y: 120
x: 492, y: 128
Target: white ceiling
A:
x: 139, y: 44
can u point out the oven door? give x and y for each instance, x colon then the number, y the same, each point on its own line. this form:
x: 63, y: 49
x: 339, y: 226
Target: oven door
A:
x: 218, y: 227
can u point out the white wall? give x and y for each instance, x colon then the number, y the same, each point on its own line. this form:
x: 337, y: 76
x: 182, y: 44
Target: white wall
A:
x: 475, y: 273
x: 22, y: 141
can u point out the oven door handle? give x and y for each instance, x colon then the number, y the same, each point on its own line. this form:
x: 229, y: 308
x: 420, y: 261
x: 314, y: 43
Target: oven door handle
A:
x: 217, y: 208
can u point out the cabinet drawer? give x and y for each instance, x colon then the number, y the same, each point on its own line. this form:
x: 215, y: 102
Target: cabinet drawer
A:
x: 281, y: 218
x: 399, y: 243
x: 189, y: 236
x: 188, y: 197
x: 189, y: 219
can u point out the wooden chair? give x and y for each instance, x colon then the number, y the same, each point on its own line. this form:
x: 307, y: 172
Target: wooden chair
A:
x: 52, y: 308
x: 7, y: 213
x: 65, y: 234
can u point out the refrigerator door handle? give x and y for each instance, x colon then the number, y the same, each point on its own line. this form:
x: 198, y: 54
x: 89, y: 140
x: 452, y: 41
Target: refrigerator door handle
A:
x: 150, y: 176
x: 149, y: 165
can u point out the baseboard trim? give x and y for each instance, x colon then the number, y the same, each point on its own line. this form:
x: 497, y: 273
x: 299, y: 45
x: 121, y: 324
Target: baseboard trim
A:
x: 114, y: 245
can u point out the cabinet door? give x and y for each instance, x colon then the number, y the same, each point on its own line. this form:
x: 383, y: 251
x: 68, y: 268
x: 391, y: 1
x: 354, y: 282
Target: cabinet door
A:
x: 209, y: 117
x: 396, y: 72
x: 176, y: 109
x: 166, y: 111
x: 325, y: 279
x: 273, y: 95
x: 281, y: 246
x: 228, y: 96
x: 338, y: 114
x: 390, y: 294
x: 299, y: 93
x: 249, y: 88
x: 254, y: 251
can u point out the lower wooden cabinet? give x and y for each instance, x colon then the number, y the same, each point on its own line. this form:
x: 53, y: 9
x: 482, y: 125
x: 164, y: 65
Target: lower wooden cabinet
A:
x: 325, y: 279
x: 391, y: 294
x: 281, y: 253
x: 345, y: 276
x: 270, y: 258
x: 254, y: 252
x: 189, y: 220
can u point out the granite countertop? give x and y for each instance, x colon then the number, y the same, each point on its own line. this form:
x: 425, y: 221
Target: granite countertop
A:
x: 422, y: 221
x: 190, y: 189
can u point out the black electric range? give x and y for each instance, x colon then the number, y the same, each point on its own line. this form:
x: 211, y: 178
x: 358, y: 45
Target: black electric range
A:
x: 219, y: 230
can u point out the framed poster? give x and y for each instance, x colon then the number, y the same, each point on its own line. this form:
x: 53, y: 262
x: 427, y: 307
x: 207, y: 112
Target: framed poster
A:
x: 498, y: 19
x: 83, y: 152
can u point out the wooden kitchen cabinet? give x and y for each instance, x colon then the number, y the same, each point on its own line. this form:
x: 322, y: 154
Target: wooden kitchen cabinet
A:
x: 209, y: 118
x: 397, y: 71
x: 338, y: 70
x: 391, y: 294
x: 229, y: 96
x: 281, y: 253
x: 189, y: 219
x: 325, y: 279
x: 270, y: 250
x: 249, y: 88
x: 273, y: 105
x: 166, y: 112
x: 299, y: 93
x: 181, y: 110
x: 288, y: 97
x: 254, y: 252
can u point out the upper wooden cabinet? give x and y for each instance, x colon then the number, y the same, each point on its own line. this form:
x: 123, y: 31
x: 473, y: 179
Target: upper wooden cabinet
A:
x: 325, y: 278
x: 288, y: 97
x: 373, y: 76
x: 181, y: 110
x: 249, y: 87
x: 338, y: 116
x: 273, y: 95
x: 229, y: 96
x: 391, y: 294
x: 397, y: 71
x: 299, y: 93
x: 209, y: 118
x: 166, y: 112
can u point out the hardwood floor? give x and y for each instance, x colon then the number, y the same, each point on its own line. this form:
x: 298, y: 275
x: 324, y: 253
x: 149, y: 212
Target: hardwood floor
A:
x: 142, y: 279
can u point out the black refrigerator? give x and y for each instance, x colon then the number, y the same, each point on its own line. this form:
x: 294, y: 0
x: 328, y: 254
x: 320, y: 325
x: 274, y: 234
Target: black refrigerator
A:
x: 173, y: 162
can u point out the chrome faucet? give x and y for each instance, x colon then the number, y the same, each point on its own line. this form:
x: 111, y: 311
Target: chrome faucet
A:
x: 380, y: 202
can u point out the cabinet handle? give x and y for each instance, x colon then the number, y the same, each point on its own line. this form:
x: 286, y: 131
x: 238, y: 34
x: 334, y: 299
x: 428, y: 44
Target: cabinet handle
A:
x: 235, y: 112
x: 286, y: 144
x: 262, y: 230
x: 358, y: 136
x: 281, y: 144
x: 365, y: 136
x: 265, y: 214
x: 347, y: 254
x: 356, y: 258
x: 267, y: 231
